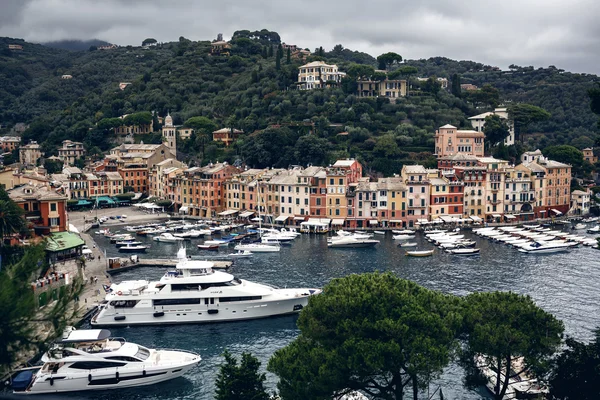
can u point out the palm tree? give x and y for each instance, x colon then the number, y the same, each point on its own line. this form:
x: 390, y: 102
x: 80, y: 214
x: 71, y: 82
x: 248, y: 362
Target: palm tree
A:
x: 11, y: 220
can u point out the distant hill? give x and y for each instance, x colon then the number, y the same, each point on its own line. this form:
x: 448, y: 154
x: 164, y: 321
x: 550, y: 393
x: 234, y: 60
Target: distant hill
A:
x: 76, y: 45
x: 251, y: 91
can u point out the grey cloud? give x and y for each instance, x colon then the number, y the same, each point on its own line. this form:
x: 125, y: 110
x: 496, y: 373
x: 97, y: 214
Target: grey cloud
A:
x: 525, y: 32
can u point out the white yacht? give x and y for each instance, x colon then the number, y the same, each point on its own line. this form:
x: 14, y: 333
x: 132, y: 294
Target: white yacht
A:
x: 195, y: 293
x: 91, y: 360
x: 167, y: 237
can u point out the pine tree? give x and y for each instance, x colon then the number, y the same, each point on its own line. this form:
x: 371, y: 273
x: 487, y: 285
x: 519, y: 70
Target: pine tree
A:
x: 242, y: 382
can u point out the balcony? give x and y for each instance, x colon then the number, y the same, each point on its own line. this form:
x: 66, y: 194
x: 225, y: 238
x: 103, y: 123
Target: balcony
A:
x: 495, y: 201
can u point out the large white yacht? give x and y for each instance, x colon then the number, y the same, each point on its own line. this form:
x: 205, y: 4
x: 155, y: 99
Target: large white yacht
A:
x: 91, y: 360
x: 195, y: 293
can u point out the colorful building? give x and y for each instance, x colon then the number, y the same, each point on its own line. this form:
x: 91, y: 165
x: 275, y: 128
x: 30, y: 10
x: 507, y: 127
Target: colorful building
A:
x: 449, y: 140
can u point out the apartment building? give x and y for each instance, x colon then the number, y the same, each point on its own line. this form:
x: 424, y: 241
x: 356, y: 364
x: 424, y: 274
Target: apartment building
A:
x: 45, y: 209
x: 70, y: 151
x: 474, y: 193
x: 494, y: 186
x: 390, y: 88
x: 416, y: 178
x: 30, y: 154
x: 449, y: 140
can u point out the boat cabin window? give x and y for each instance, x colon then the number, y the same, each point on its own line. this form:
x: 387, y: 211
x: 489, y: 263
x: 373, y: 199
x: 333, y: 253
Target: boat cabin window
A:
x: 179, y: 287
x: 123, y: 358
x: 200, y: 271
x: 142, y: 353
x: 241, y: 298
x: 234, y: 282
x: 96, y: 364
x: 123, y: 303
x: 174, y: 302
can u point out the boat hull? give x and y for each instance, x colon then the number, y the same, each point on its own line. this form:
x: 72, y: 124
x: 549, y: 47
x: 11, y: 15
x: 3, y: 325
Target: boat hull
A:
x: 106, y: 380
x: 201, y: 313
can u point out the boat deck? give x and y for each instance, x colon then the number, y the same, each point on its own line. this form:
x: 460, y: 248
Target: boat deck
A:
x: 162, y: 262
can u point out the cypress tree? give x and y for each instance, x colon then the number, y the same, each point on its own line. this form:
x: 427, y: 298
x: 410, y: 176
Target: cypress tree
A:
x: 289, y: 55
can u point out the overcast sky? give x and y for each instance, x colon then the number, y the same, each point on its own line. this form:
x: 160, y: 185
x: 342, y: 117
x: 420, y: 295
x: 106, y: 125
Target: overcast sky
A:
x: 524, y: 32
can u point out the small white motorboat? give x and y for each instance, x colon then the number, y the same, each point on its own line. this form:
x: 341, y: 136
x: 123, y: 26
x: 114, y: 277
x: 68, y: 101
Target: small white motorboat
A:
x: 379, y: 232
x: 464, y: 251
x: 241, y: 254
x: 420, y: 253
x: 408, y: 244
x: 133, y: 248
x: 579, y: 226
x: 595, y: 229
x: 404, y: 232
x: 403, y: 237
x: 167, y: 237
x: 257, y: 247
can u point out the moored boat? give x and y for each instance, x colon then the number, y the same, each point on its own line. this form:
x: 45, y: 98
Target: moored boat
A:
x: 420, y: 253
x: 464, y: 251
x: 92, y: 360
x: 204, y: 295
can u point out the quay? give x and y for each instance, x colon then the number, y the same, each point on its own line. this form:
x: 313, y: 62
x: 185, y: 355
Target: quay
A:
x: 116, y: 265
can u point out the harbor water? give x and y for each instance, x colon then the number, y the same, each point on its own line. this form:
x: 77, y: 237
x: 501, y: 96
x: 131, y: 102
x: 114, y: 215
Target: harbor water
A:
x: 565, y: 284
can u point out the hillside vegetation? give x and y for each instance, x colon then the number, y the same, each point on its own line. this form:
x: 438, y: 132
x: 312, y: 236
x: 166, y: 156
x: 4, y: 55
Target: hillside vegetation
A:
x: 252, y: 91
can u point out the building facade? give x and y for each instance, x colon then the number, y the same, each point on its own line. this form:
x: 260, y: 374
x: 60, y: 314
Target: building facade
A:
x: 319, y: 75
x: 70, y: 151
x: 450, y: 141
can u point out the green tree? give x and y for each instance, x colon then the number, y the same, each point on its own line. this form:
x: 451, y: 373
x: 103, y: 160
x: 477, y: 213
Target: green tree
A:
x: 495, y: 130
x: 565, y: 154
x: 594, y: 95
x: 270, y: 52
x: 386, y: 60
x: 431, y: 85
x: 53, y: 166
x: 11, y: 217
x: 524, y: 115
x: 240, y: 382
x: 140, y: 118
x: 374, y: 333
x: 577, y: 370
x: 20, y: 325
x: 456, y: 89
x: 203, y: 129
x: 289, y: 56
x: 503, y: 327
x: 310, y: 149
x: 149, y: 41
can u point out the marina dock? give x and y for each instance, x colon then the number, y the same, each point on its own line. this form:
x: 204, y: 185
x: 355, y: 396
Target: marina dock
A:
x: 116, y: 265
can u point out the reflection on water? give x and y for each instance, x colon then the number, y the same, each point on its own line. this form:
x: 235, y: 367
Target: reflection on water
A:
x: 568, y: 285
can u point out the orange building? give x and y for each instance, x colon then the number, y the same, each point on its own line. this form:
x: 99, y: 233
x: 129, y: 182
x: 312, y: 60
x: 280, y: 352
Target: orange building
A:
x: 450, y: 140
x: 45, y: 209
x: 9, y: 143
x: 226, y: 135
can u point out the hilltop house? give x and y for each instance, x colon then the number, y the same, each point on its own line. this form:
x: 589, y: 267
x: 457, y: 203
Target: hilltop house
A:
x: 319, y: 75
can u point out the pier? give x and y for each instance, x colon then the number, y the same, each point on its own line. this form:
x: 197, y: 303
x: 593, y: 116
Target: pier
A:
x: 116, y: 265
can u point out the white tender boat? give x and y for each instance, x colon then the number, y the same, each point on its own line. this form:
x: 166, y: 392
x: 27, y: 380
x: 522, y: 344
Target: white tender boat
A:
x: 595, y: 229
x: 167, y: 237
x: 195, y: 293
x: 420, y: 253
x: 352, y: 242
x: 402, y: 237
x: 379, y: 232
x: 404, y: 232
x: 408, y: 244
x: 544, y: 247
x: 133, y: 248
x: 241, y: 254
x: 464, y: 251
x: 91, y: 360
x: 579, y: 226
x: 258, y: 247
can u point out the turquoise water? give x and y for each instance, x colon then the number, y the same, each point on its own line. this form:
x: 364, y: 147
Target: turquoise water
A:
x: 567, y: 285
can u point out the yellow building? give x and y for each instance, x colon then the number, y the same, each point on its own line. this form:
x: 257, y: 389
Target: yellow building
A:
x: 390, y: 88
x: 319, y: 75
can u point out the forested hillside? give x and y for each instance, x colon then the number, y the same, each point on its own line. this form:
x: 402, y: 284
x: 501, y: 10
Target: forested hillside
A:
x: 253, y: 90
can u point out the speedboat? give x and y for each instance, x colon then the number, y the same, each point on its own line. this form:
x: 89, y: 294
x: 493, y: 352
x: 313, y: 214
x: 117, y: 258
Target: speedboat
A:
x: 420, y: 253
x: 579, y: 226
x: 92, y: 360
x: 544, y: 247
x: 464, y: 251
x: 351, y: 241
x: 408, y: 244
x: 241, y: 254
x: 218, y: 242
x: 258, y: 247
x: 595, y: 229
x: 194, y: 292
x: 167, y: 237
x: 125, y: 243
x: 402, y: 237
x: 379, y: 232
x: 133, y: 248
x: 404, y: 232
